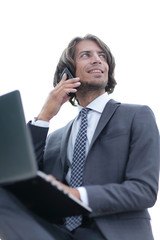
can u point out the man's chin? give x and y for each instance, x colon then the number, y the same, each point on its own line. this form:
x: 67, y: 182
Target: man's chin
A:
x: 87, y: 86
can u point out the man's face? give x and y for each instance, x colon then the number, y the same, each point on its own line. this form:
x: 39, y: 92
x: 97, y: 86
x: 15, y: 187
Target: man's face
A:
x: 91, y: 65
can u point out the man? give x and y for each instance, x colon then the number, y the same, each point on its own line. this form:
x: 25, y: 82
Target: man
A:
x: 118, y: 177
x: 120, y: 173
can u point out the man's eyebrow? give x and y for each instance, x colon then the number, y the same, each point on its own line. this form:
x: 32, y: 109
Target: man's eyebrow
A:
x: 84, y: 51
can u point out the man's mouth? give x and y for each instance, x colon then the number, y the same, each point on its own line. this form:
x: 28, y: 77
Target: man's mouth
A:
x: 95, y: 71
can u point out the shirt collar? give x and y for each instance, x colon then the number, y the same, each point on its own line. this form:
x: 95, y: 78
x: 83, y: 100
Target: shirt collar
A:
x: 97, y: 104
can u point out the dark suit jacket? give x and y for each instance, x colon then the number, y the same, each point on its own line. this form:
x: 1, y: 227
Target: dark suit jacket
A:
x: 121, y: 168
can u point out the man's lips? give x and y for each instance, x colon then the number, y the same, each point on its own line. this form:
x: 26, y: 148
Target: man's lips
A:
x: 95, y: 70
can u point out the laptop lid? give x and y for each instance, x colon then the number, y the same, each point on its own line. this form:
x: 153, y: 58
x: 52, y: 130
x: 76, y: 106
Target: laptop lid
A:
x: 18, y: 169
x: 17, y: 160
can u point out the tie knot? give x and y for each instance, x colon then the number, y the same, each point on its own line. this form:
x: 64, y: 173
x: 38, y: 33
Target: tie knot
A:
x: 84, y: 112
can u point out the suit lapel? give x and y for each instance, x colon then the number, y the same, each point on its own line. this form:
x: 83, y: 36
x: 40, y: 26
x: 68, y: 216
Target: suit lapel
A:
x: 108, y: 112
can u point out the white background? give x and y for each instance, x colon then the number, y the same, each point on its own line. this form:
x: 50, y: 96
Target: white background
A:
x: 33, y: 34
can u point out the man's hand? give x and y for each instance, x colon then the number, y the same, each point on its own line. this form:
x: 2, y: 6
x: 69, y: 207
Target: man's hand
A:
x: 57, y: 97
x: 73, y: 191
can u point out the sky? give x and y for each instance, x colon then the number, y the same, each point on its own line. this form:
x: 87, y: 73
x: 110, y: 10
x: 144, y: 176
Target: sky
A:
x: 35, y: 32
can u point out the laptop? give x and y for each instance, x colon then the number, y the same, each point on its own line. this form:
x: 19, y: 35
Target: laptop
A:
x: 18, y: 168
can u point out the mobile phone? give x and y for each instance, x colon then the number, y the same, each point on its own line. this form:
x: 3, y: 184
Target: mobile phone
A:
x: 69, y: 76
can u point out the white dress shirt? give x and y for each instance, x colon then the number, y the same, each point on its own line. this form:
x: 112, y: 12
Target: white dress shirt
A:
x: 97, y: 107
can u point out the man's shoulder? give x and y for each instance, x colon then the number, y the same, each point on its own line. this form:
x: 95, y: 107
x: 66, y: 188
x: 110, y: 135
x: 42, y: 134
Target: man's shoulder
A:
x: 131, y: 109
x: 130, y: 106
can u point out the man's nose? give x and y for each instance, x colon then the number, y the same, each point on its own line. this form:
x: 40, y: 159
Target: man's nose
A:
x: 96, y: 59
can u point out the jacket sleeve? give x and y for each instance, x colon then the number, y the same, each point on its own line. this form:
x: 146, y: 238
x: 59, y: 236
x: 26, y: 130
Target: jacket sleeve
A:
x: 38, y: 136
x: 139, y: 188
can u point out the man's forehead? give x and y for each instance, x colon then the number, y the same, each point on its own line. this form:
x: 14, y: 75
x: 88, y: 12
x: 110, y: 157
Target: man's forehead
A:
x: 87, y: 46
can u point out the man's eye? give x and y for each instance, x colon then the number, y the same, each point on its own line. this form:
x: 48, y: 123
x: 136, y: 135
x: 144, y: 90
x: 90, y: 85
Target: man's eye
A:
x: 85, y: 55
x: 102, y: 56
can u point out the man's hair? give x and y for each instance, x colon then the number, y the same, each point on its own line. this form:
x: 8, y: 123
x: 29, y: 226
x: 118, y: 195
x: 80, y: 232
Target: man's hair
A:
x: 67, y: 60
